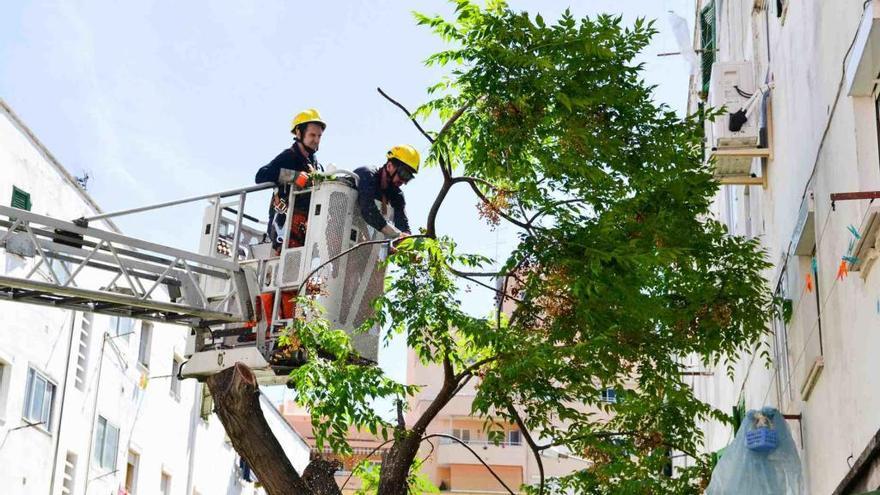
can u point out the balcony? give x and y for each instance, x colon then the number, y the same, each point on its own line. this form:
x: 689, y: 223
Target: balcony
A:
x: 503, y: 454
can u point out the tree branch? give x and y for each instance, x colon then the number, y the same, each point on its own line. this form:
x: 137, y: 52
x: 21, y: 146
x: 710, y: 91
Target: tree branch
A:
x: 544, y: 210
x: 529, y: 440
x: 431, y: 224
x: 443, y: 435
x: 458, y: 113
x: 347, y: 251
x: 472, y: 181
x: 446, y: 393
x: 408, y: 114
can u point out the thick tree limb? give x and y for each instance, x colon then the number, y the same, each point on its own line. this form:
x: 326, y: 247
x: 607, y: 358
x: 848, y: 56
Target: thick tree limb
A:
x: 237, y: 404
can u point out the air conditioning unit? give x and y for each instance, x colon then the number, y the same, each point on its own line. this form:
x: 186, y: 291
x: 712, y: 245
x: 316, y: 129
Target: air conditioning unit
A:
x: 734, y: 137
x: 731, y: 86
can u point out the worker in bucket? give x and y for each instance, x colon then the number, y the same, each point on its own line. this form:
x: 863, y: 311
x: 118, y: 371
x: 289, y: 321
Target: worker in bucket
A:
x: 383, y: 185
x: 289, y: 169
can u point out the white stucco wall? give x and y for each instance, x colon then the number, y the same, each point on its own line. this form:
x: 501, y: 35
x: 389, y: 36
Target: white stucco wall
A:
x: 806, y: 56
x: 165, y: 431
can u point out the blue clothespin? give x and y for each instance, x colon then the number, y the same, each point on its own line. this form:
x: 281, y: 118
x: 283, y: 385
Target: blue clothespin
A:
x: 853, y: 260
x: 854, y: 231
x: 814, y: 265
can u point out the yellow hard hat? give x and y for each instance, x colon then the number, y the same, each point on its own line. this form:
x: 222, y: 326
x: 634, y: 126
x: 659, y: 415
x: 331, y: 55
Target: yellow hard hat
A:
x: 306, y: 116
x: 407, y: 154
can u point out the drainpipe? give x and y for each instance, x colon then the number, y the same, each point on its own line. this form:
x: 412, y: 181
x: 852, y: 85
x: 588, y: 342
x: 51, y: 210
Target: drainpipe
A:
x: 63, y: 402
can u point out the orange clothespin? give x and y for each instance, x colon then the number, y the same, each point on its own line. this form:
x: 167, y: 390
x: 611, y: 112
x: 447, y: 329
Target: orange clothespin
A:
x: 809, y: 282
x: 841, y: 270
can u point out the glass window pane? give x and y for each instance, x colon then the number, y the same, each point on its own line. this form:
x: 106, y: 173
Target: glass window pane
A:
x: 46, y: 415
x: 99, y: 439
x: 28, y: 394
x: 39, y: 390
x: 111, y: 445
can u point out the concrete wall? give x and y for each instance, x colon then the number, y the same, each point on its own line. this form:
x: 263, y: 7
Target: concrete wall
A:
x: 823, y: 141
x: 164, y: 430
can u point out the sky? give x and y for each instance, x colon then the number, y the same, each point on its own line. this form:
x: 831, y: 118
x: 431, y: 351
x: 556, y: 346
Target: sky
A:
x: 158, y: 101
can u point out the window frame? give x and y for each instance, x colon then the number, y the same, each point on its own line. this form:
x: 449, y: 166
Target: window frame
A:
x: 511, y: 434
x: 608, y: 395
x: 707, y: 48
x: 114, y: 327
x: 21, y: 195
x: 44, y: 424
x: 781, y: 352
x: 99, y: 452
x: 165, y: 489
x: 145, y: 344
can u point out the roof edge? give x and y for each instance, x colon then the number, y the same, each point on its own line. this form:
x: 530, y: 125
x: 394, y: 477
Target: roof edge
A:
x: 65, y: 175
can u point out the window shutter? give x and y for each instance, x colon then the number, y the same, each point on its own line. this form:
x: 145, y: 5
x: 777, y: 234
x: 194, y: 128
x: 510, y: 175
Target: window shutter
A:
x: 20, y: 199
x: 707, y: 45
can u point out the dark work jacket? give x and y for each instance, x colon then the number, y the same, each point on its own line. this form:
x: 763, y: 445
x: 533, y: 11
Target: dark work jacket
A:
x: 293, y: 159
x: 370, y: 190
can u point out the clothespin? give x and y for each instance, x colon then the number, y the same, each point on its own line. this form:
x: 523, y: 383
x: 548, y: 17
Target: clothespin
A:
x: 143, y: 381
x: 814, y: 265
x: 852, y: 245
x: 854, y: 231
x: 852, y: 260
x: 841, y: 270
x: 809, y: 282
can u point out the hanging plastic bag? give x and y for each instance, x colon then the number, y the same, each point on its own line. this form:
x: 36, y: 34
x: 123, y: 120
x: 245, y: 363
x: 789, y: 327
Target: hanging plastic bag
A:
x: 762, y: 460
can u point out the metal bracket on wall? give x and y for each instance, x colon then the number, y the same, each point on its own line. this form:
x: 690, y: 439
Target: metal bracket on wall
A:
x: 849, y: 196
x: 796, y: 417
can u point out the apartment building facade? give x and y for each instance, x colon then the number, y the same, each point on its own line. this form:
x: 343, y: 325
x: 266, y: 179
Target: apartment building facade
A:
x: 802, y: 175
x: 451, y: 464
x: 90, y: 404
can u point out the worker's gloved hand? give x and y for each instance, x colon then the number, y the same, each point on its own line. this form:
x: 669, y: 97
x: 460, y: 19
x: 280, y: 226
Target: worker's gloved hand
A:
x: 299, y: 179
x: 391, y: 232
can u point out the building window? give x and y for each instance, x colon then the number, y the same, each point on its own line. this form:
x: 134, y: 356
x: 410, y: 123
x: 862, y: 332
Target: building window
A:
x: 462, y: 434
x: 131, y: 472
x: 68, y: 483
x: 121, y: 326
x: 514, y: 437
x: 781, y: 317
x: 609, y: 395
x: 21, y: 199
x: 82, y: 353
x: 175, y: 381
x: 106, y: 444
x: 144, y: 347
x: 39, y: 399
x: 165, y: 484
x: 707, y: 42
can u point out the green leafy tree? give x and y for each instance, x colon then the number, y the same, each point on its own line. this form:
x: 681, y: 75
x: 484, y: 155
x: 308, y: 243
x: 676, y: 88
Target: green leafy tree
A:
x: 620, y: 270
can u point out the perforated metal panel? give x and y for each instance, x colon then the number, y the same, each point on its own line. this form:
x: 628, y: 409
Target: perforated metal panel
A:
x: 336, y: 226
x: 354, y: 273
x: 292, y: 267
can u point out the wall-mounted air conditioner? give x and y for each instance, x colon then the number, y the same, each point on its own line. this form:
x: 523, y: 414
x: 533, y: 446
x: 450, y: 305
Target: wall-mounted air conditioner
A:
x: 732, y: 86
x: 734, y: 138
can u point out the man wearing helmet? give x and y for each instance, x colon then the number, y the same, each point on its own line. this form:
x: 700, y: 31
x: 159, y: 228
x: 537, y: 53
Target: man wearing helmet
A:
x: 292, y: 166
x: 383, y: 185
